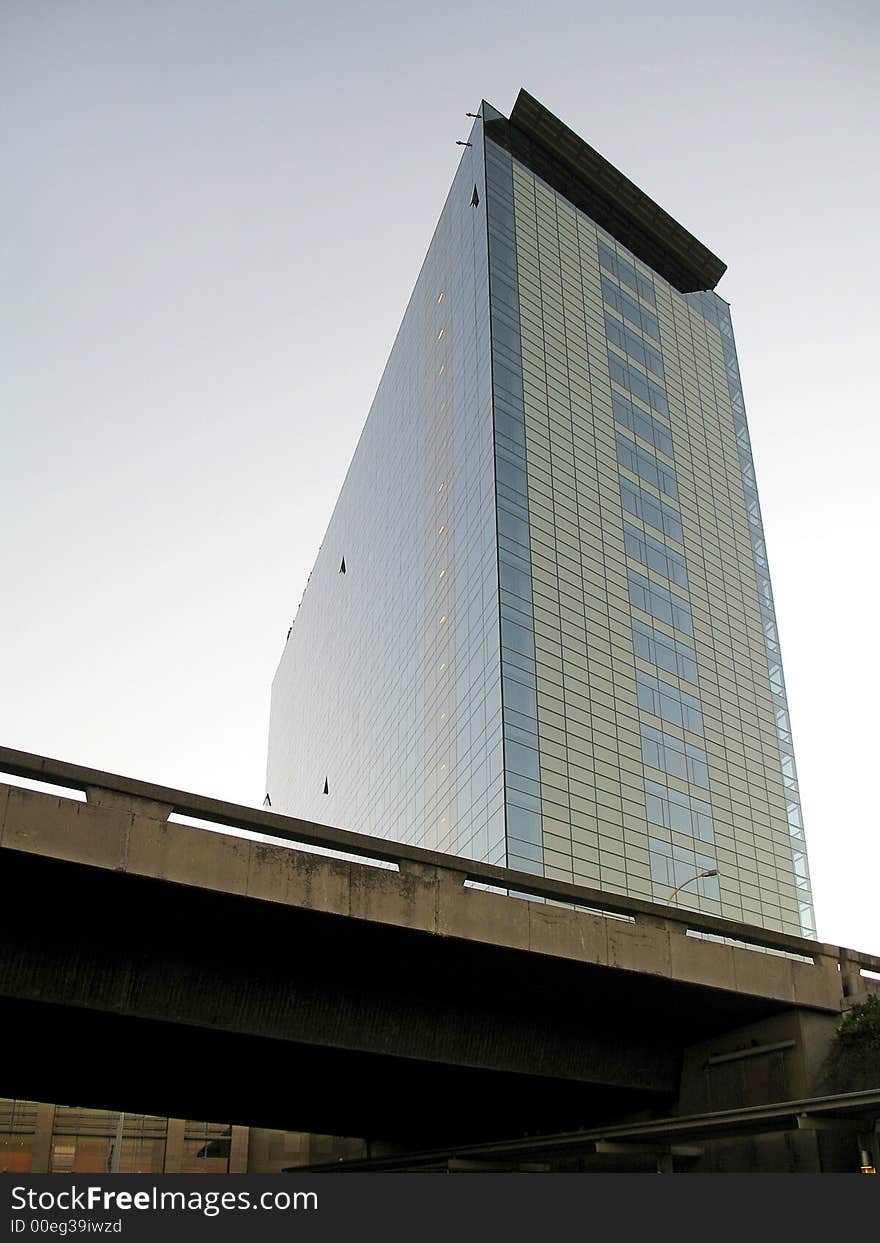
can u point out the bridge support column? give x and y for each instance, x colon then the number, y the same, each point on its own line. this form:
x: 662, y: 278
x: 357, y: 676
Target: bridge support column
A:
x: 238, y: 1150
x: 856, y: 987
x: 41, y: 1153
x: 174, y: 1147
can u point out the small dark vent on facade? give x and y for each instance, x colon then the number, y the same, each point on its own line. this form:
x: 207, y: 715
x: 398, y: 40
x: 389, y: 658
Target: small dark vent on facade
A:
x: 342, y: 566
x: 267, y: 802
x: 475, y: 198
x: 326, y: 786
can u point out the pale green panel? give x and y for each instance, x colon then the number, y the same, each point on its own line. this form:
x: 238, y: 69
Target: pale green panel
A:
x: 748, y: 799
x: 593, y: 774
x: 762, y: 790
x: 592, y: 783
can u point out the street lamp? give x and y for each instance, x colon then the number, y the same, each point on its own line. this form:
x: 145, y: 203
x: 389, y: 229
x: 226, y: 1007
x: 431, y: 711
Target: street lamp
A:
x: 691, y: 879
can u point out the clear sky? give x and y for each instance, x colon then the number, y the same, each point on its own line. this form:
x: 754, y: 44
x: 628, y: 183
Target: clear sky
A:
x: 212, y: 217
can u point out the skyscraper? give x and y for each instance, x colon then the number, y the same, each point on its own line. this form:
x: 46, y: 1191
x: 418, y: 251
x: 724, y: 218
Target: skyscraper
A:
x: 540, y: 629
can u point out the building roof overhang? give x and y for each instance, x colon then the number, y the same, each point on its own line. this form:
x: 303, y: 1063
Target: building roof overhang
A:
x: 553, y: 151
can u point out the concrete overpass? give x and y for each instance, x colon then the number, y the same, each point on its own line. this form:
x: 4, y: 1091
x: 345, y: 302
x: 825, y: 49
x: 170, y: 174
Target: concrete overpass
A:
x: 160, y: 967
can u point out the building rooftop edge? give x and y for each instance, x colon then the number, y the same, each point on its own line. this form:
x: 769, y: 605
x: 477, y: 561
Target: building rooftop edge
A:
x: 553, y: 151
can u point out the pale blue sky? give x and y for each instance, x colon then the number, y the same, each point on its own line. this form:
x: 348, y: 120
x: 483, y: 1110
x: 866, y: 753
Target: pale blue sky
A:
x: 213, y: 215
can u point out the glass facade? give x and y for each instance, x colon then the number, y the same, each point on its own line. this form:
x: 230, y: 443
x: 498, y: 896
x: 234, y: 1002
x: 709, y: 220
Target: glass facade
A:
x: 553, y: 644
x: 386, y: 707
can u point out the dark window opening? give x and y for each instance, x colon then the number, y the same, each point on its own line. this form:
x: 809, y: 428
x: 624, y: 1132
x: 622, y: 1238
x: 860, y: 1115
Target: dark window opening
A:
x: 342, y: 566
x: 214, y: 1148
x: 326, y: 786
x: 475, y: 198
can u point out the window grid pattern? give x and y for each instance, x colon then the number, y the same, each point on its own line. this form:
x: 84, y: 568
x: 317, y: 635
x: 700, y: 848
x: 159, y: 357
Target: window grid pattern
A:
x: 632, y: 344
x: 666, y: 806
x: 662, y: 699
x: 667, y: 652
x: 717, y: 312
x: 759, y: 847
x: 655, y: 555
x: 390, y: 682
x: 647, y: 466
x: 674, y: 865
x: 674, y: 756
x: 642, y: 424
x: 758, y: 882
x: 578, y: 454
x: 678, y: 812
x: 522, y: 783
x: 629, y: 308
x: 660, y: 602
x: 651, y: 510
x: 572, y: 446
x: 589, y: 695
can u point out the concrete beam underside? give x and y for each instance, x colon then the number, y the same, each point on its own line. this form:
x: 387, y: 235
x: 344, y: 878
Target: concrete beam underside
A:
x: 338, y: 993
